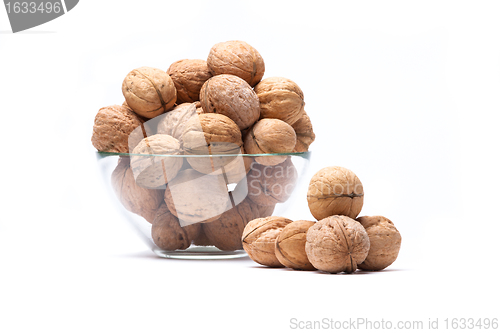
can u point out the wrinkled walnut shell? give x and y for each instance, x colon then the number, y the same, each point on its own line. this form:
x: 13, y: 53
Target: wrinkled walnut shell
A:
x: 189, y: 75
x: 236, y: 58
x: 230, y: 96
x: 259, y: 237
x: 335, y: 191
x: 167, y: 233
x: 337, y: 244
x: 385, y: 242
x: 173, y: 122
x: 305, y: 134
x: 149, y: 91
x: 291, y: 246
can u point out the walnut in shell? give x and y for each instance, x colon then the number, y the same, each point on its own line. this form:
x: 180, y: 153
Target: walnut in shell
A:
x: 280, y: 98
x: 305, y: 134
x: 138, y: 200
x: 291, y: 246
x: 155, y: 171
x: 195, y: 197
x: 173, y: 122
x: 270, y: 136
x: 236, y: 58
x: 385, y: 242
x: 230, y: 96
x: 337, y: 244
x: 167, y: 233
x: 335, y: 191
x: 189, y: 75
x: 149, y: 91
x: 113, y: 126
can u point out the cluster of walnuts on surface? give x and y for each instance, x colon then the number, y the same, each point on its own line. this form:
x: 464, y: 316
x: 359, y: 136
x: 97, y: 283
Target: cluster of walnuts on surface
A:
x: 337, y: 242
x: 221, y: 106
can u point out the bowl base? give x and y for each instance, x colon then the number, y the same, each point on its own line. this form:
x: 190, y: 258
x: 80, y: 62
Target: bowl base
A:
x: 199, y: 253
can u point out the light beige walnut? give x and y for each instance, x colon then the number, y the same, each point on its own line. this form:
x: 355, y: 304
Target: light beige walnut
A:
x: 153, y: 171
x: 335, y: 191
x: 236, y: 58
x: 385, y: 242
x: 195, y: 197
x: 291, y: 246
x: 305, y: 134
x: 112, y: 127
x: 259, y: 237
x: 337, y: 244
x: 270, y: 136
x: 280, y: 98
x: 230, y: 96
x: 174, y: 121
x: 138, y: 200
x: 167, y: 233
x: 188, y: 76
x: 149, y: 91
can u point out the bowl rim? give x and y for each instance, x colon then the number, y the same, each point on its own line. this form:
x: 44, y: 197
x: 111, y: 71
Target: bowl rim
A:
x: 103, y: 154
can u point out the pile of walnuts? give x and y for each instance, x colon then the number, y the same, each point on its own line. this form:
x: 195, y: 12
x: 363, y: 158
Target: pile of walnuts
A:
x: 223, y: 108
x: 337, y: 242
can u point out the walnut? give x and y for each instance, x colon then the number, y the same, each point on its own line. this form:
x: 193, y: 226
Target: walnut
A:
x: 236, y: 58
x: 195, y: 197
x: 112, y: 128
x: 265, y: 211
x: 269, y: 185
x: 149, y: 91
x: 385, y: 241
x: 291, y: 246
x: 225, y: 232
x: 230, y: 96
x: 167, y: 233
x: 280, y: 98
x: 173, y: 122
x: 138, y: 200
x: 304, y: 131
x: 202, y: 239
x: 259, y: 237
x: 337, y: 244
x: 335, y: 191
x: 188, y: 76
x: 270, y: 136
x: 154, y: 171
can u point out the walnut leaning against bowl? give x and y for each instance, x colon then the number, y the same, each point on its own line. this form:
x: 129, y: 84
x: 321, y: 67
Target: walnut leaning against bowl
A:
x: 155, y: 171
x: 305, y: 134
x: 236, y: 58
x: 149, y: 91
x: 259, y: 237
x: 167, y: 233
x: 270, y: 136
x: 291, y: 246
x: 189, y: 75
x: 337, y: 244
x: 385, y: 242
x: 335, y: 191
x: 280, y: 98
x: 230, y: 96
x: 112, y: 128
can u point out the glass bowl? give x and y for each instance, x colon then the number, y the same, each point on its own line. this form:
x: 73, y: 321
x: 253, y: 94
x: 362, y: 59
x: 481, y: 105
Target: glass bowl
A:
x: 182, y: 213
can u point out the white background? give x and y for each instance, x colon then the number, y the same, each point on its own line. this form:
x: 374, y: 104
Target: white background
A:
x: 405, y: 94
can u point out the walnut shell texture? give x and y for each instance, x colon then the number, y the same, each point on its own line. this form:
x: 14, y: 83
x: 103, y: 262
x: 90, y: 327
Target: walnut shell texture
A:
x: 335, y: 191
x: 337, y: 244
x: 305, y: 134
x: 385, y: 242
x: 112, y: 128
x: 231, y: 96
x: 189, y: 75
x: 291, y: 246
x: 173, y: 122
x: 270, y: 136
x: 138, y: 200
x: 259, y: 237
x: 167, y: 233
x: 236, y: 58
x: 280, y: 98
x: 149, y: 91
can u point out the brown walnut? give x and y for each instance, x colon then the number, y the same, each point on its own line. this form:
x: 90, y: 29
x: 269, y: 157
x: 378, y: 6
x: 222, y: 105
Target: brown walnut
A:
x: 188, y: 76
x: 236, y: 58
x: 291, y: 246
x: 385, y: 242
x: 173, y: 122
x: 337, y: 244
x: 335, y: 191
x: 305, y: 134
